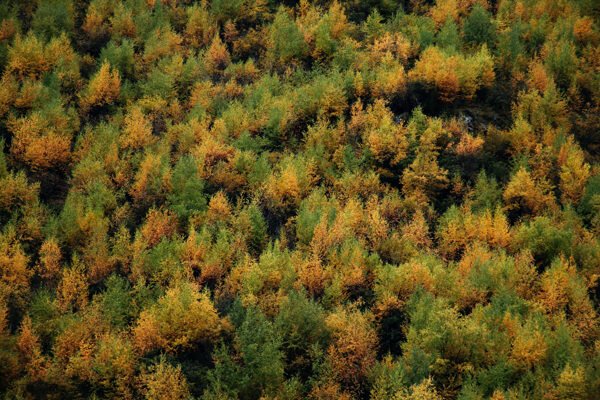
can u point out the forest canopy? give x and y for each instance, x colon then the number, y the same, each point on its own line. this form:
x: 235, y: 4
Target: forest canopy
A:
x: 261, y: 199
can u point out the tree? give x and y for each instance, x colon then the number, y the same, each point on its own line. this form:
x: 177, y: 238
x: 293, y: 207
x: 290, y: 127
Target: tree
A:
x: 50, y: 258
x: 572, y: 384
x: 96, y: 19
x: 478, y: 28
x: 30, y: 351
x: 423, y: 391
x: 301, y: 325
x: 181, y: 319
x: 152, y: 181
x: 454, y: 76
x: 445, y: 11
x: 14, y: 272
x: 72, y: 291
x: 200, y: 27
x: 137, y: 130
x: 103, y: 89
x: 17, y: 192
x: 385, y: 139
x: 120, y: 56
x: 37, y: 146
x: 286, y: 42
x: 255, y: 369
x: 258, y: 229
x: 28, y: 58
x: 286, y: 186
x: 164, y: 381
x: 563, y: 62
x: 524, y: 194
x: 159, y: 224
x: 217, y: 57
x: 529, y: 347
x: 424, y: 177
x: 574, y: 172
x: 114, y: 366
x: 218, y: 209
x: 9, y: 357
x: 186, y: 198
x: 351, y: 353
x: 53, y: 17
x: 448, y: 37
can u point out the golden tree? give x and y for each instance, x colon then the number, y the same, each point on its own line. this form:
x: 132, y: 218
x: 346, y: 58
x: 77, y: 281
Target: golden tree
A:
x: 103, y: 89
x: 72, y: 291
x: 37, y: 146
x: 14, y: 274
x: 164, y: 382
x: 50, y: 258
x: 137, y: 132
x: 182, y: 319
x: 574, y: 172
x: 352, y: 352
x: 30, y: 351
x: 523, y: 193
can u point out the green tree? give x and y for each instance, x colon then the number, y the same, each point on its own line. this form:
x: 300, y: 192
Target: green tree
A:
x: 448, y: 37
x: 478, y: 28
x: 256, y: 368
x: 54, y: 17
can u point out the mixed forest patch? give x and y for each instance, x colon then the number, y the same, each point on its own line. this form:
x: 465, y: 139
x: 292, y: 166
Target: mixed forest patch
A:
x: 261, y: 199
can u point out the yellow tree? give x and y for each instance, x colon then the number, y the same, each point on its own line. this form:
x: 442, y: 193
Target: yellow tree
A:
x: 30, y: 351
x: 574, y: 172
x: 164, y: 382
x: 523, y: 193
x: 50, y: 258
x: 41, y: 142
x: 14, y: 274
x: 424, y: 176
x: 103, y: 89
x: 454, y: 76
x: 353, y: 349
x: 385, y: 139
x: 200, y: 27
x: 181, y: 319
x: 218, y: 208
x: 27, y: 58
x: 137, y: 132
x: 217, y: 56
x: 571, y: 384
x: 17, y: 192
x: 72, y: 291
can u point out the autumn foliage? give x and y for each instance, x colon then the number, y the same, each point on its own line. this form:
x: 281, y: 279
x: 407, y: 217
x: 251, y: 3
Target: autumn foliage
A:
x: 285, y: 200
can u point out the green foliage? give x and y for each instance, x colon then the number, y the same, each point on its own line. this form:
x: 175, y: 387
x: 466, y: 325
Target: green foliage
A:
x: 487, y: 193
x: 373, y: 27
x: 116, y: 301
x: 545, y: 240
x: 286, y: 38
x: 120, y: 56
x: 511, y: 46
x: 258, y: 232
x: 478, y: 27
x: 224, y: 9
x: 54, y: 17
x: 186, y: 197
x: 563, y: 61
x: 257, y: 369
x: 300, y: 324
x: 448, y: 37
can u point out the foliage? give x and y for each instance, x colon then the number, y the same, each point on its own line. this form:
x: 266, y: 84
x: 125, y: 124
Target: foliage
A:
x: 261, y: 199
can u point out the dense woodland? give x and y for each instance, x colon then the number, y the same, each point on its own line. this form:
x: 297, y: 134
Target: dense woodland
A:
x: 260, y: 199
